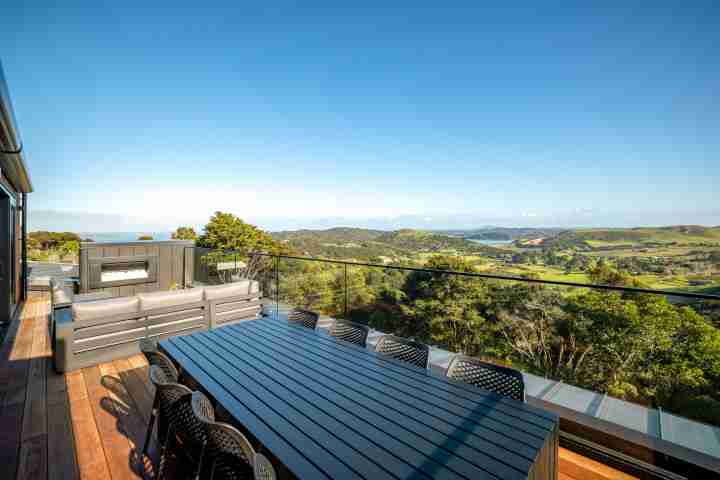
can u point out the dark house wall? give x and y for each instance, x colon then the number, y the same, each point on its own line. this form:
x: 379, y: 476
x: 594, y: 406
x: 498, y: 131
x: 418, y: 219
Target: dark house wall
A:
x: 16, y: 184
x: 17, y: 240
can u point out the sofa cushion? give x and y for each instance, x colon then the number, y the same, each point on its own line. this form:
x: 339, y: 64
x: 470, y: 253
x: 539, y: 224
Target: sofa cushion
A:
x: 169, y: 298
x: 62, y: 295
x: 243, y: 287
x: 105, y: 308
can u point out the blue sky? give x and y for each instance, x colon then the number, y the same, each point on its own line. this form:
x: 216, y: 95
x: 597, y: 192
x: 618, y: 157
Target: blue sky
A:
x: 144, y: 115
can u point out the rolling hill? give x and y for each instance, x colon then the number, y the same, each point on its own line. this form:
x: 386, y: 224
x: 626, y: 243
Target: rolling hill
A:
x: 364, y: 244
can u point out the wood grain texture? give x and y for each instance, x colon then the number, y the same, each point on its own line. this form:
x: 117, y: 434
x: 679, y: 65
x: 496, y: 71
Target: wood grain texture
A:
x: 90, y: 453
x: 576, y: 466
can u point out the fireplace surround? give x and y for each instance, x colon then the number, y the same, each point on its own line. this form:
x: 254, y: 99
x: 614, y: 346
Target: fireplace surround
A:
x: 128, y: 268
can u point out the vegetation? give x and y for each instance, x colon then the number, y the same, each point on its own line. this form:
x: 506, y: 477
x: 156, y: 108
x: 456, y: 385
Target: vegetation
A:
x: 145, y: 237
x: 679, y: 258
x: 642, y: 348
x: 229, y: 240
x: 184, y: 233
x: 375, y: 245
x: 53, y: 246
x: 225, y: 232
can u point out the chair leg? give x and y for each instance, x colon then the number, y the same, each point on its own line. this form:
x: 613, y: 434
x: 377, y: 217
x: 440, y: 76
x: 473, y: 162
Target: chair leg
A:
x: 164, y: 452
x: 151, y: 424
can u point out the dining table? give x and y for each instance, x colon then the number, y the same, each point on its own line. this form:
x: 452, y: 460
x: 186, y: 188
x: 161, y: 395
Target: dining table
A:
x: 327, y: 409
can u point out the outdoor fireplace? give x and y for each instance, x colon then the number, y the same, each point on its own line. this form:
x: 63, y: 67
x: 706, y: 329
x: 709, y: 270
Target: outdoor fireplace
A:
x: 119, y: 271
x: 128, y: 268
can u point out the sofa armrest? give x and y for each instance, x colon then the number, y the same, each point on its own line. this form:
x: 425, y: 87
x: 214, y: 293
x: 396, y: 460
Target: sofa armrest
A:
x: 63, y: 336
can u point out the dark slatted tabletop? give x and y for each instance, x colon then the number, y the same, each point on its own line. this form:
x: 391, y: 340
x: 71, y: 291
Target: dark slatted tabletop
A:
x: 328, y: 409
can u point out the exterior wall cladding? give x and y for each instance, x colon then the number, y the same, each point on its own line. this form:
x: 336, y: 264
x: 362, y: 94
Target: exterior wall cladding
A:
x: 8, y: 239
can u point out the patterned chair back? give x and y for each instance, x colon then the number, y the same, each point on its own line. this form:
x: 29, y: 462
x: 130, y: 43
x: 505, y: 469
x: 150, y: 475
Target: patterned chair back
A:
x: 350, y: 332
x: 504, y: 381
x: 404, y: 349
x: 148, y: 348
x: 228, y: 453
x: 306, y: 318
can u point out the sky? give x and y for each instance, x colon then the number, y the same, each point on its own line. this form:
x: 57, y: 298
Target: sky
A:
x: 149, y: 115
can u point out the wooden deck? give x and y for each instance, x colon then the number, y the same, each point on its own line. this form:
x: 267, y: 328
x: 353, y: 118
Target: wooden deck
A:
x: 91, y: 423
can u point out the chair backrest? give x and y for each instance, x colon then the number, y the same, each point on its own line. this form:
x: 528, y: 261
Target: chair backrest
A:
x: 229, y: 454
x: 306, y: 318
x: 404, y: 349
x: 350, y: 332
x: 187, y: 426
x: 149, y: 348
x: 167, y: 395
x: 504, y: 381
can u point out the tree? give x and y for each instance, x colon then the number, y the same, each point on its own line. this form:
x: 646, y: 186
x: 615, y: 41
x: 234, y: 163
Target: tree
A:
x: 225, y: 232
x: 70, y: 248
x: 232, y: 240
x: 145, y: 237
x: 446, y: 309
x: 47, y: 240
x: 539, y: 335
x: 184, y: 233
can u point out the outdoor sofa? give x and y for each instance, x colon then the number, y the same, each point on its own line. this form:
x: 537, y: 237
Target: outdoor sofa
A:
x: 90, y: 329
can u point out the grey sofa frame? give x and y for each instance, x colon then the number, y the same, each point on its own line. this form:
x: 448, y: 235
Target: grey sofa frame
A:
x: 79, y: 344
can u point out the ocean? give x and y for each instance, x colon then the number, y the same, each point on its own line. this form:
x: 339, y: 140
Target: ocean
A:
x: 490, y: 242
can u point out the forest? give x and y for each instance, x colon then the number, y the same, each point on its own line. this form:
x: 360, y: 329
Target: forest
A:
x: 639, y: 347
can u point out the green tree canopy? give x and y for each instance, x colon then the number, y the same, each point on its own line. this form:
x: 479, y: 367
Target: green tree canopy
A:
x: 447, y: 309
x: 145, y: 237
x: 47, y: 240
x: 225, y: 231
x: 184, y: 233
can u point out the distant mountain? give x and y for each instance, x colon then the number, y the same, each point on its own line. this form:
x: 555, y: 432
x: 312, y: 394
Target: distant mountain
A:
x: 337, y: 235
x: 361, y: 243
x: 608, y: 238
x: 678, y: 233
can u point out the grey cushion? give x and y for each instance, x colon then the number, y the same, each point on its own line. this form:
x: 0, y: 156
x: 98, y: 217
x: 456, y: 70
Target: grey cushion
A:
x: 91, y: 297
x: 170, y: 298
x: 243, y: 287
x: 62, y: 295
x: 41, y: 283
x: 105, y: 308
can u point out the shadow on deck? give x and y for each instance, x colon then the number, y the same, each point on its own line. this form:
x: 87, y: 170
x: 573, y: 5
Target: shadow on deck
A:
x: 85, y: 424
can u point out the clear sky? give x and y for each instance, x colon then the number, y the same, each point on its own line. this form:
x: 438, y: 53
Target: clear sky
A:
x: 440, y: 114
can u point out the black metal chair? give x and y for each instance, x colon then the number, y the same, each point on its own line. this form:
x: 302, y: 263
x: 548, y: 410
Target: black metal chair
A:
x: 404, y: 349
x: 155, y: 358
x: 167, y: 393
x: 350, y: 332
x: 504, y: 381
x: 306, y: 318
x: 149, y: 349
x: 228, y: 454
x: 186, y: 440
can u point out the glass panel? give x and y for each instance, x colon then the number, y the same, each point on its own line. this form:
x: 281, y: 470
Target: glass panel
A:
x: 640, y: 349
x: 311, y: 285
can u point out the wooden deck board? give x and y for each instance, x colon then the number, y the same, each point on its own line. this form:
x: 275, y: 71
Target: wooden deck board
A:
x: 90, y: 423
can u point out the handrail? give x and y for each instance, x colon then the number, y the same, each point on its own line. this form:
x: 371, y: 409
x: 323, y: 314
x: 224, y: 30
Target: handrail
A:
x: 696, y: 296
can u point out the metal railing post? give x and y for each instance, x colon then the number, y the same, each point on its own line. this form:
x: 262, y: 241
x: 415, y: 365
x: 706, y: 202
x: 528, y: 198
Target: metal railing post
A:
x: 346, y: 293
x: 277, y: 286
